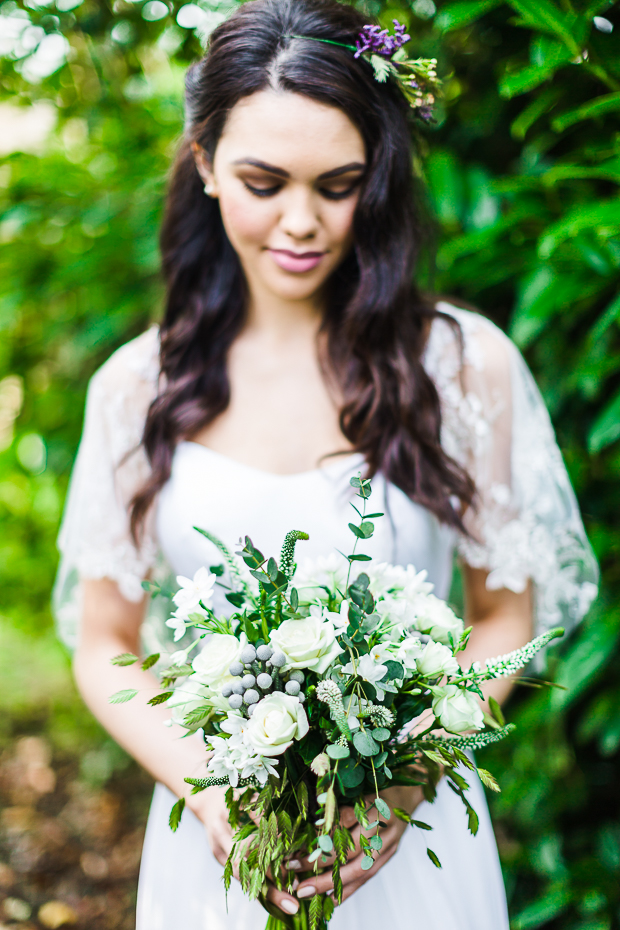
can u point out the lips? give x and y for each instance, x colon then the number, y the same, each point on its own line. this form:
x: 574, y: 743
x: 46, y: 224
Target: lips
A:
x: 296, y: 262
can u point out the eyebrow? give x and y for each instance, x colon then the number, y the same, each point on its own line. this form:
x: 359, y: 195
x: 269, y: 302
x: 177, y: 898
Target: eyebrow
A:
x: 280, y: 172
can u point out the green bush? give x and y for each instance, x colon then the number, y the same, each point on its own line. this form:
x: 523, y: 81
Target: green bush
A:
x: 523, y: 169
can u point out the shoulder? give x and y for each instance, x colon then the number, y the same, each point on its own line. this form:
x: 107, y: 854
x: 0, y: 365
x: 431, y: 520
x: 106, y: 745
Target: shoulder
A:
x: 133, y: 365
x: 121, y: 391
x: 474, y: 347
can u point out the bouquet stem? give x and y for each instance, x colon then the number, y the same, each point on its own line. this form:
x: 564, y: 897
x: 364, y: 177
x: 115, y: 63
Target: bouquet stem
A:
x: 298, y: 921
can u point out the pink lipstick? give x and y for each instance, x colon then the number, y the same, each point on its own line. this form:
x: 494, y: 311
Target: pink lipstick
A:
x: 296, y: 262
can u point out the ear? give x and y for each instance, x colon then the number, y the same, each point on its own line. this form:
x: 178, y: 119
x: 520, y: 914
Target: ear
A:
x: 204, y: 169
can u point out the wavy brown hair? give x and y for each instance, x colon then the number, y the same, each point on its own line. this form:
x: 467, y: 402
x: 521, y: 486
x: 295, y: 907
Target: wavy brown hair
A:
x: 376, y: 321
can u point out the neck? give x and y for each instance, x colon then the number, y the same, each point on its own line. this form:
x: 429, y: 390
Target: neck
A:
x: 280, y: 319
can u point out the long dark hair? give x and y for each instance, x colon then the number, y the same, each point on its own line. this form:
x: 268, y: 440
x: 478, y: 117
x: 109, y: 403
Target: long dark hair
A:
x: 376, y: 321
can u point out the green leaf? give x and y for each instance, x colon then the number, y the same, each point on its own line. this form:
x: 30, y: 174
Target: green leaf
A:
x: 497, y: 712
x: 584, y: 216
x: 328, y: 908
x: 359, y: 558
x: 338, y: 752
x: 394, y: 670
x: 337, y: 881
x: 381, y: 734
x: 541, y: 104
x: 544, y: 16
x: 367, y: 863
x: 606, y: 428
x: 401, y: 814
x: 433, y: 857
x: 350, y: 775
x: 325, y: 843
x: 420, y: 824
x: 376, y: 842
x: 365, y: 744
x: 472, y: 820
x: 121, y: 697
x: 294, y: 599
x: 150, y: 661
x: 455, y: 15
x: 236, y: 598
x: 175, y: 814
x: 593, y: 108
x: 315, y: 911
x: 272, y: 569
x: 488, y: 781
x: 160, y: 698
x: 125, y: 658
x: 383, y: 808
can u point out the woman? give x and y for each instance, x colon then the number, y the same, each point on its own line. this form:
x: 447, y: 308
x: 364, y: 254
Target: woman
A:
x: 295, y: 350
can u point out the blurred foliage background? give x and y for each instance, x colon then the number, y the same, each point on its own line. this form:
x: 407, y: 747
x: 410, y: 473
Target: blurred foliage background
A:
x: 522, y: 167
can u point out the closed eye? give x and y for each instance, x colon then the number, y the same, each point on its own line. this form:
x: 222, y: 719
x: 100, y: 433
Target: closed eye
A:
x: 263, y: 191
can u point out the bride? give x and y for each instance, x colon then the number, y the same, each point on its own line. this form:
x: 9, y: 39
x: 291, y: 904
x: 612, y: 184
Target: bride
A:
x: 294, y: 350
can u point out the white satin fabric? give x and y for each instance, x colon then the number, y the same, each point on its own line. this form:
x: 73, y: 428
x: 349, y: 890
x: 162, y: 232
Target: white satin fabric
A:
x: 526, y: 526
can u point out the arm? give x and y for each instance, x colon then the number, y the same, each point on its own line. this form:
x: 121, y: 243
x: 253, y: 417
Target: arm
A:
x: 111, y: 625
x: 502, y: 621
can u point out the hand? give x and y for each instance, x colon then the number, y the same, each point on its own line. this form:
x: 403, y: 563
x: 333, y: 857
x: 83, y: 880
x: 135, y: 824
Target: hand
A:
x: 352, y: 874
x: 210, y: 807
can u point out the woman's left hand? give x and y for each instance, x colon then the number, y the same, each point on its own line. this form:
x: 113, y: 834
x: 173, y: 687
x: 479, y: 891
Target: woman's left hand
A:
x: 352, y: 874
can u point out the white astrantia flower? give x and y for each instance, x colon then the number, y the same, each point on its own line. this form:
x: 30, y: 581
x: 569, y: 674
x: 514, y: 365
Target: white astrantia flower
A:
x: 435, y: 660
x: 192, y: 591
x: 458, y: 710
x: 277, y: 720
x: 314, y: 575
x: 308, y: 643
x: 436, y: 618
x: 212, y: 664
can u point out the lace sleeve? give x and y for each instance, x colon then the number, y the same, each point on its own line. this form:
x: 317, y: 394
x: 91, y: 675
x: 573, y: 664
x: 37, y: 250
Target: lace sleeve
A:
x: 94, y: 538
x: 526, y: 524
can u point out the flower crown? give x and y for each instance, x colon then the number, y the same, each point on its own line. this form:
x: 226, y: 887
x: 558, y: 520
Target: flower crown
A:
x: 417, y: 78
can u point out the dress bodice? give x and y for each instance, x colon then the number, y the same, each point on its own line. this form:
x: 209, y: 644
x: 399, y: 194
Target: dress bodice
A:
x: 231, y: 500
x: 525, y: 524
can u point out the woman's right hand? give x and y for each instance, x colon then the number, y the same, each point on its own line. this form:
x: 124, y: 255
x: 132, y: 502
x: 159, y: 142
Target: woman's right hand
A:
x: 210, y: 807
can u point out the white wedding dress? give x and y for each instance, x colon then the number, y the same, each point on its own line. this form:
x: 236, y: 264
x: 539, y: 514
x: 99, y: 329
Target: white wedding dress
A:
x: 526, y: 526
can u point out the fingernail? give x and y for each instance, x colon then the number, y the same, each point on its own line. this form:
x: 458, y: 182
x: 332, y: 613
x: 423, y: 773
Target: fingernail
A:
x: 293, y: 864
x: 291, y: 907
x: 306, y: 892
x: 295, y: 884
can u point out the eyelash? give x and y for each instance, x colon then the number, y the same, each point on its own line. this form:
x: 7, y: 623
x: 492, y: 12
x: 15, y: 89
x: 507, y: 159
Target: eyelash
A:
x: 271, y: 191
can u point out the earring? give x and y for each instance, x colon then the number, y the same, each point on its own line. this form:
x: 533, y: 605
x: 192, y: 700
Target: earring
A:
x: 208, y: 190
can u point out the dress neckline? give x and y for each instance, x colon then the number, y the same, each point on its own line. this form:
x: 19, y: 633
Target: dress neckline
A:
x: 341, y: 462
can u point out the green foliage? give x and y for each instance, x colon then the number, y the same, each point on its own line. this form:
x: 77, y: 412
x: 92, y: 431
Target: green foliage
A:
x: 523, y: 169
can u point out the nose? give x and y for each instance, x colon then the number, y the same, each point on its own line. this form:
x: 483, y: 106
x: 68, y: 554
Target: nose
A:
x: 300, y: 218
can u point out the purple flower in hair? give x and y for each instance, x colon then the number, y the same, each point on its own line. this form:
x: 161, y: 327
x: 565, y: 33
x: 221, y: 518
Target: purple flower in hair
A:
x: 377, y: 41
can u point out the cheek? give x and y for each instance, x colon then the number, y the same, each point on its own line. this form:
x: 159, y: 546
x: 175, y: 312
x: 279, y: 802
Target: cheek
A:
x: 339, y: 221
x: 246, y: 219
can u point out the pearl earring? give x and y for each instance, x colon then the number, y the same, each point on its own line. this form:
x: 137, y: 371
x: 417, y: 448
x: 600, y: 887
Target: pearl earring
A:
x: 209, y: 190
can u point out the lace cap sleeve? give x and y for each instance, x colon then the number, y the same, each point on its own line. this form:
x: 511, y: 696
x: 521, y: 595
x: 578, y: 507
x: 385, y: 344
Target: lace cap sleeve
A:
x: 526, y: 524
x: 94, y: 539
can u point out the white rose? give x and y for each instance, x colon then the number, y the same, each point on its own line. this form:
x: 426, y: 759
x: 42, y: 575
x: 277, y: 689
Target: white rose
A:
x: 308, y: 643
x: 211, y: 665
x: 436, y: 660
x: 458, y: 710
x: 436, y: 618
x: 276, y: 722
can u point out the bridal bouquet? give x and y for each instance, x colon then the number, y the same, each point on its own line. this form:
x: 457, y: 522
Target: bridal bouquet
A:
x: 323, y: 687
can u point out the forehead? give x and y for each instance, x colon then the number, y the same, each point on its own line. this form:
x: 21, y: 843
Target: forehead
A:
x: 292, y: 132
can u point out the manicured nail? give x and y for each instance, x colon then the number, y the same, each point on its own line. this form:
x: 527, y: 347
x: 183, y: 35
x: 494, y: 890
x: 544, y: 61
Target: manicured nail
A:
x: 306, y: 892
x: 295, y: 884
x: 291, y: 907
x: 293, y: 864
